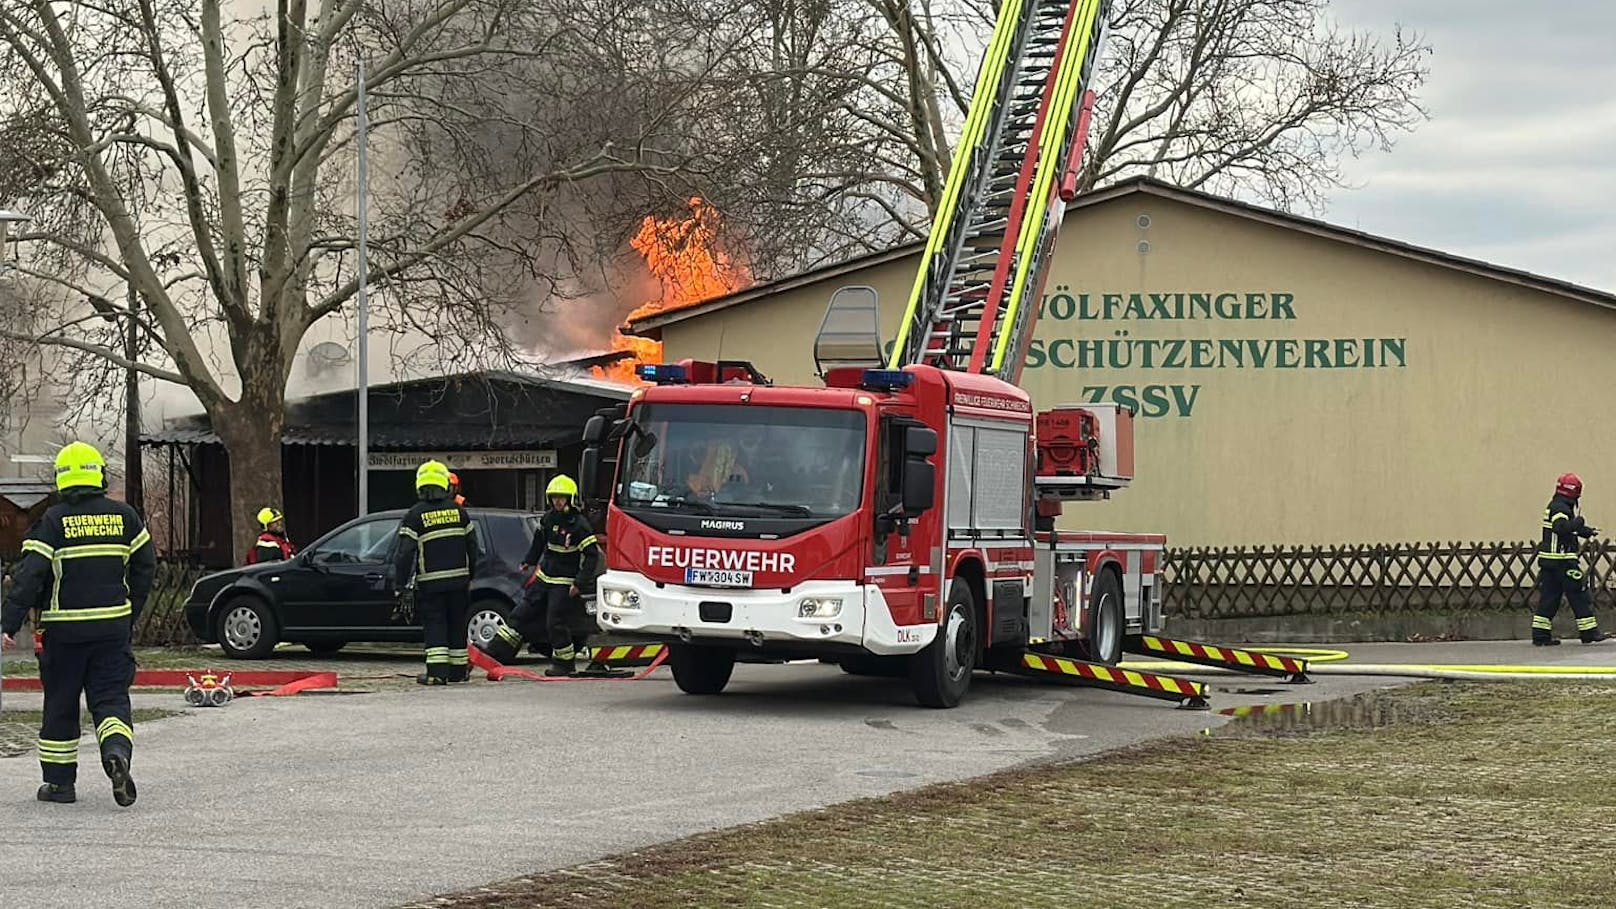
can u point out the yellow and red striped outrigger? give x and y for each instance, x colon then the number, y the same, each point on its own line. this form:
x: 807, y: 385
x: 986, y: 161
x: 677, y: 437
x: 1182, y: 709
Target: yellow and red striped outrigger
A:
x: 624, y: 655
x: 1294, y: 671
x: 1190, y: 695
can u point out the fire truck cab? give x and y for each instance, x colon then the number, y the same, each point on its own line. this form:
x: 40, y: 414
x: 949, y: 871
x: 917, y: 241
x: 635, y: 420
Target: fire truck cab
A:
x: 889, y: 522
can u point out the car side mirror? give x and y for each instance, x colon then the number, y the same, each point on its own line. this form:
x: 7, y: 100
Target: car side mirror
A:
x: 589, y: 471
x: 644, y: 442
x: 919, y: 442
x: 919, y: 486
x: 594, y: 430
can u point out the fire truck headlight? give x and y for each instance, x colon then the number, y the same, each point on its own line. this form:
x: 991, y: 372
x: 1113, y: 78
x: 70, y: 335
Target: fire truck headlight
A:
x: 819, y: 608
x: 618, y: 598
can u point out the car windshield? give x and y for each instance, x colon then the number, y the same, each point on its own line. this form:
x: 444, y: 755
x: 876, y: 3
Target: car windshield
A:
x: 744, y: 460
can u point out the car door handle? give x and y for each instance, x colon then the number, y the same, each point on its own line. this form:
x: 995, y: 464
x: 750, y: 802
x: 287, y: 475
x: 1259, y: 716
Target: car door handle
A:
x: 373, y: 577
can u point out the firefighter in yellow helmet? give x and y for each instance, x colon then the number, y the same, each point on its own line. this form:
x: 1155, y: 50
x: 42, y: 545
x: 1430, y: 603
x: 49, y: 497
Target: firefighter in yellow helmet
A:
x: 438, y: 550
x: 565, y: 559
x: 88, y: 566
x: 272, y: 544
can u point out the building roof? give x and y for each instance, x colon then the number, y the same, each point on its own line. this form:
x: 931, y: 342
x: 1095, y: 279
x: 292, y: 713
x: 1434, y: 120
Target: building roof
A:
x: 649, y: 324
x: 25, y: 494
x: 477, y: 411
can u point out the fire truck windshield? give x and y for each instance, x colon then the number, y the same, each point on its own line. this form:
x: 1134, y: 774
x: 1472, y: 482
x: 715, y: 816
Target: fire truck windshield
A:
x: 744, y: 460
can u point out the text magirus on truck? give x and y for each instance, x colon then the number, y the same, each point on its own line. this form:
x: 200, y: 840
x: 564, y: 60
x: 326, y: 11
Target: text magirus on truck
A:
x: 899, y: 520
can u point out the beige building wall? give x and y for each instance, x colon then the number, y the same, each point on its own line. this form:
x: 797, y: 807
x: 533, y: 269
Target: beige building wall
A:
x: 1359, y: 396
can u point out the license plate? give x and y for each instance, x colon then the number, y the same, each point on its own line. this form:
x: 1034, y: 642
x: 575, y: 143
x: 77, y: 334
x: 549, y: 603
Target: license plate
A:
x: 717, y: 577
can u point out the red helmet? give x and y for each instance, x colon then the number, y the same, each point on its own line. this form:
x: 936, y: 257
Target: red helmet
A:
x: 1569, y: 484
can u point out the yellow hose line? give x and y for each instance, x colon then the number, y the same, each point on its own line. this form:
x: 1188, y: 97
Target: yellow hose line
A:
x: 1316, y: 658
x: 1604, y: 671
x: 1417, y: 670
x: 1311, y: 654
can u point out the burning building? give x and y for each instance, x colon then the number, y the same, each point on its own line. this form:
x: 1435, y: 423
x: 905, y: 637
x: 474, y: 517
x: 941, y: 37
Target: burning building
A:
x: 687, y: 259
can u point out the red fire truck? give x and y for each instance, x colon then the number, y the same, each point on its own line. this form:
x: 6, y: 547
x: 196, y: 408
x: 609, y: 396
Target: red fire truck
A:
x: 899, y: 520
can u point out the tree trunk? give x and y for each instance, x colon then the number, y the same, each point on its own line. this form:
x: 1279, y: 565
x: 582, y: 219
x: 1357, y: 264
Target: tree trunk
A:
x: 251, y: 432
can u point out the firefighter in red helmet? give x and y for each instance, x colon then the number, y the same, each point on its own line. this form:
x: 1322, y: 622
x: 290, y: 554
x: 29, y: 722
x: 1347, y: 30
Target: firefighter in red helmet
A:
x: 1559, y: 574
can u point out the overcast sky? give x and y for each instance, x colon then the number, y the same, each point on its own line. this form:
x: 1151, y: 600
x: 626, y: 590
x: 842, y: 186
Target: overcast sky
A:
x: 1517, y: 165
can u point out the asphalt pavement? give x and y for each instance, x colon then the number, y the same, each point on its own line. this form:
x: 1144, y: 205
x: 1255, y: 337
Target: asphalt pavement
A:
x: 385, y: 797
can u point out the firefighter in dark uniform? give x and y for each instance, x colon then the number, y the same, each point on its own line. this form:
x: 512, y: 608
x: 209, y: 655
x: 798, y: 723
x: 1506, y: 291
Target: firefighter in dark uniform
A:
x: 565, y: 558
x: 87, y: 567
x: 1558, y: 572
x: 438, y: 546
x: 272, y: 544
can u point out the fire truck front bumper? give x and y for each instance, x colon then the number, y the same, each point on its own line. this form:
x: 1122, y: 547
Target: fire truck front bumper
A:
x: 841, y: 613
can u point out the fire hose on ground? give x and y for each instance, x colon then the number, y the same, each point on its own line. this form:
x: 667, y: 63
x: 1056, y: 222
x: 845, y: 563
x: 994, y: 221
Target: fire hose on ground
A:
x: 1322, y: 661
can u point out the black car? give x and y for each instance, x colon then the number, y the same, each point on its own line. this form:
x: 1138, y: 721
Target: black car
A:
x: 340, y: 589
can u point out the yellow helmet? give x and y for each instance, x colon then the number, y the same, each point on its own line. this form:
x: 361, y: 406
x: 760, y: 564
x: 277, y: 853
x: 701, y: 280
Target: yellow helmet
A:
x: 562, y: 485
x: 432, y: 473
x: 79, y: 464
x: 268, y: 516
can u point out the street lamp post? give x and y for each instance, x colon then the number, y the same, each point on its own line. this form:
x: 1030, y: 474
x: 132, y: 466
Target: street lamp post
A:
x: 134, y: 481
x: 7, y: 218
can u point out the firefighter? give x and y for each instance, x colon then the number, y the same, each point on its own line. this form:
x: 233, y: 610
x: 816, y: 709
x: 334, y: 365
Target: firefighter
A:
x: 272, y: 545
x: 454, y: 489
x: 87, y: 566
x: 564, y: 558
x: 1558, y: 572
x: 438, y: 548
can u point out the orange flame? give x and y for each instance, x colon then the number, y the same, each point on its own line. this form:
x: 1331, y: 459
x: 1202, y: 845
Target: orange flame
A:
x: 683, y: 254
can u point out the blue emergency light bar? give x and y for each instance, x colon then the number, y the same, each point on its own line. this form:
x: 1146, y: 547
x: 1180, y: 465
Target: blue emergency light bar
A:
x: 663, y: 373
x: 886, y: 379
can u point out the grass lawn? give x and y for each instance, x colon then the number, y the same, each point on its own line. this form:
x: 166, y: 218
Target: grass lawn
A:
x: 1451, y: 795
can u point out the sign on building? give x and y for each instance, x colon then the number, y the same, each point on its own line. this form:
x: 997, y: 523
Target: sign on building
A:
x: 544, y: 459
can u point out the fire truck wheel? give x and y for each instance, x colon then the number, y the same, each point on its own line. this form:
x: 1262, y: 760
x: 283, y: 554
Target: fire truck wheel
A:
x: 701, y: 670
x: 1106, y: 622
x: 941, y: 674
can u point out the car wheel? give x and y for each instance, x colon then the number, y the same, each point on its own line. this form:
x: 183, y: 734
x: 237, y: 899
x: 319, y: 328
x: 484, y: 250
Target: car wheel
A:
x: 483, y: 623
x: 247, y: 628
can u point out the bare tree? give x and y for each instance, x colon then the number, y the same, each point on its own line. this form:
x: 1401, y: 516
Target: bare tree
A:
x: 1262, y: 98
x: 205, y: 160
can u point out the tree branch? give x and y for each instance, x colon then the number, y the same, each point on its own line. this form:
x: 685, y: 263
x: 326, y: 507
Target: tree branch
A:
x: 601, y: 163
x: 105, y: 353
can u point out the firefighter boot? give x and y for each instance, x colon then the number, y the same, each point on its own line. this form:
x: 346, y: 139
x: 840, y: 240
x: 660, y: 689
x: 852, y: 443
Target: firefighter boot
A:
x: 1595, y: 637
x: 562, y: 664
x: 458, y: 674
x: 61, y: 793
x: 502, y: 647
x: 123, y: 785
x: 433, y: 676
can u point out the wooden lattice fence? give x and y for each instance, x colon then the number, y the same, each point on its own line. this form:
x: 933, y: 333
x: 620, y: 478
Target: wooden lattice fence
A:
x: 1243, y: 581
x: 163, y: 621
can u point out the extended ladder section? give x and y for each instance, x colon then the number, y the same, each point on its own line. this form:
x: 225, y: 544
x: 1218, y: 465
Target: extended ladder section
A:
x: 973, y: 304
